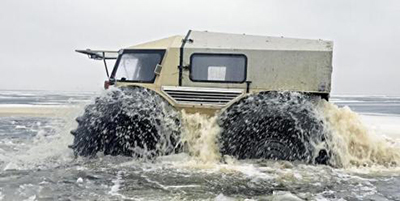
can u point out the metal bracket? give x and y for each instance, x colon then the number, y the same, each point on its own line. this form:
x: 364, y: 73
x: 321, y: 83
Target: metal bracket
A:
x: 187, y: 40
x: 248, y: 86
x: 100, y: 55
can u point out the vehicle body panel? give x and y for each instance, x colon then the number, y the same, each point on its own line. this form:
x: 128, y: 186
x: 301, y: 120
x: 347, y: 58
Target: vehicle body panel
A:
x: 273, y: 64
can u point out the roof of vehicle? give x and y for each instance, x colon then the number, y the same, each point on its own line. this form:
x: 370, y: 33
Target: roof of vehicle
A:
x: 214, y: 40
x: 173, y: 41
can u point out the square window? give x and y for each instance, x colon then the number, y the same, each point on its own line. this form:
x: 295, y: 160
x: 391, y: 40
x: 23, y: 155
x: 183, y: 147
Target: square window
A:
x: 230, y: 68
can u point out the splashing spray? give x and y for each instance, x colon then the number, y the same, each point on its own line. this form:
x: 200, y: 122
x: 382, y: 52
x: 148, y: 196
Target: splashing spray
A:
x: 352, y: 143
x: 200, y: 137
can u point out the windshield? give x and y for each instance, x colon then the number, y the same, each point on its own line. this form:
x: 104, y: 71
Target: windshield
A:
x: 137, y: 65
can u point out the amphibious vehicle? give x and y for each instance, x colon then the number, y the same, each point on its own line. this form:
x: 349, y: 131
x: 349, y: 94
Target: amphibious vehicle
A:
x: 264, y: 89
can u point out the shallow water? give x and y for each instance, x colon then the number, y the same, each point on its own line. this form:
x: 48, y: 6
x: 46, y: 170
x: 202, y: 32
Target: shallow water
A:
x: 35, y: 163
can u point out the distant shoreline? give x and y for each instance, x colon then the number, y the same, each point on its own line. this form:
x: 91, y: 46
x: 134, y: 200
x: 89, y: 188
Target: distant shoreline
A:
x: 35, y: 110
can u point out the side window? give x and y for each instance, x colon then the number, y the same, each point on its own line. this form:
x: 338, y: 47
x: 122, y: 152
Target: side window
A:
x: 230, y: 68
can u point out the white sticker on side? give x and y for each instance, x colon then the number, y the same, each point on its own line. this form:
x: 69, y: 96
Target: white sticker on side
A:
x: 216, y: 73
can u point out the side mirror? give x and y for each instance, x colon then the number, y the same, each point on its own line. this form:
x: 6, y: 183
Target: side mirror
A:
x: 157, y: 70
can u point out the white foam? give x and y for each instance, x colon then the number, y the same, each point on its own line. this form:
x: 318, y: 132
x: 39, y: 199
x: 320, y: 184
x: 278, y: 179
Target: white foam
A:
x: 284, y: 196
x: 45, y: 150
x: 222, y: 197
x: 31, y: 198
x: 114, y: 191
x: 1, y: 195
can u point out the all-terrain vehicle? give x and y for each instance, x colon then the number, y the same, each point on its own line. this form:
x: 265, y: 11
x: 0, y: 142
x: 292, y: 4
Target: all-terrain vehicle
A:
x: 264, y: 90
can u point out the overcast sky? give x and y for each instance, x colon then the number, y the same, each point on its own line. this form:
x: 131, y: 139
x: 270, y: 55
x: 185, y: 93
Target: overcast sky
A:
x: 38, y: 38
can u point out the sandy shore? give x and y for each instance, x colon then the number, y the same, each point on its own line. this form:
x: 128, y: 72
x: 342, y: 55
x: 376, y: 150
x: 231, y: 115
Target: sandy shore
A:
x: 39, y: 110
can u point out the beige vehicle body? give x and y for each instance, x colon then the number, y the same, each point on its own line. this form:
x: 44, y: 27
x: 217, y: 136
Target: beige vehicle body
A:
x: 188, y: 79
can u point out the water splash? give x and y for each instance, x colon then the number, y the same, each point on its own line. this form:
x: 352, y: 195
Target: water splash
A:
x: 352, y: 143
x: 201, y: 172
x: 49, y: 146
x: 200, y: 137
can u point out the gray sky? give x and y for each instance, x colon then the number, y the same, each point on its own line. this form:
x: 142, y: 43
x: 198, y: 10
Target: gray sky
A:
x: 38, y: 38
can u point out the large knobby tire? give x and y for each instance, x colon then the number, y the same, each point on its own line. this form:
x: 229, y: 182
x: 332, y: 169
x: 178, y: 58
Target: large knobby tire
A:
x: 131, y: 121
x: 273, y: 125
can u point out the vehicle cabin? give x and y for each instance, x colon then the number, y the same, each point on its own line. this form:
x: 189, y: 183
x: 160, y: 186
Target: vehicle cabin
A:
x: 212, y: 70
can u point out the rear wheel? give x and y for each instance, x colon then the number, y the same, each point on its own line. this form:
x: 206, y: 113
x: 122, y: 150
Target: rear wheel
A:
x: 130, y: 121
x: 273, y: 125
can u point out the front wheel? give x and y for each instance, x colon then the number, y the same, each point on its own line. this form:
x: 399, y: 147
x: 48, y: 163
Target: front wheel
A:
x: 130, y: 121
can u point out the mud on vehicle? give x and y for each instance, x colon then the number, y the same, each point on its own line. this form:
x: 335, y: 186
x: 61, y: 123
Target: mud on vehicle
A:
x: 264, y: 89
